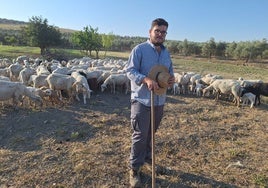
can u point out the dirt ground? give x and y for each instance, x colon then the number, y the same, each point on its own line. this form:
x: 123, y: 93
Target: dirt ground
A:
x: 200, y: 143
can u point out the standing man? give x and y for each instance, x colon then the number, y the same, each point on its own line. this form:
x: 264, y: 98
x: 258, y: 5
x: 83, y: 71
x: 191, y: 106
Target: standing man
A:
x: 143, y: 58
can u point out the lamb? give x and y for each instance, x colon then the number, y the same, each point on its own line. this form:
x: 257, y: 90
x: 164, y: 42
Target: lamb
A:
x: 81, y: 86
x: 42, y: 92
x: 16, y: 91
x: 193, y: 82
x: 176, y: 88
x: 116, y: 79
x: 198, y: 88
x: 225, y: 86
x: 248, y: 97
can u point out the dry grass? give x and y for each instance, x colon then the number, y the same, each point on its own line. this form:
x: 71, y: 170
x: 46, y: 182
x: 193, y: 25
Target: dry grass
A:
x: 200, y: 143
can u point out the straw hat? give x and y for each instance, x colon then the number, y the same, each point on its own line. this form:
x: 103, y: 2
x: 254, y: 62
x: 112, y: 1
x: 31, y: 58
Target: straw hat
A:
x: 160, y: 74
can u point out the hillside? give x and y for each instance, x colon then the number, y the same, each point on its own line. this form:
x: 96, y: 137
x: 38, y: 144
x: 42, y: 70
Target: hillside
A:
x: 7, y: 24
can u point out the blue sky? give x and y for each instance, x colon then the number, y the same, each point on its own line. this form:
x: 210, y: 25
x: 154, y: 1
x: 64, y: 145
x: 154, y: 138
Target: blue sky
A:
x: 194, y: 20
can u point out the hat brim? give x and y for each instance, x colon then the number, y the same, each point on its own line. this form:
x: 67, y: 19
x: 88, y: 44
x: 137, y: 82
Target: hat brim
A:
x: 155, y: 70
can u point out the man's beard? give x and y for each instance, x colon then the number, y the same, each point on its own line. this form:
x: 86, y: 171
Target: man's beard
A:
x: 158, y: 43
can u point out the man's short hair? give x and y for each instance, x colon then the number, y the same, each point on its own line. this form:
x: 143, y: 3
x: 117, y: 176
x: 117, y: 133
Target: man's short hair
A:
x: 159, y: 22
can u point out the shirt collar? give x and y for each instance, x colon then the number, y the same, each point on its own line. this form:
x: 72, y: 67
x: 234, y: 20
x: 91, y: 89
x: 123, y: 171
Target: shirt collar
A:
x: 153, y: 46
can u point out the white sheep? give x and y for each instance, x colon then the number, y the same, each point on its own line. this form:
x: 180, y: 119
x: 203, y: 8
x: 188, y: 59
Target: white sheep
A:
x: 61, y: 82
x: 4, y: 72
x: 14, y: 71
x: 39, y: 80
x: 116, y: 80
x: 42, y: 92
x: 198, y: 89
x: 248, y: 97
x: 176, y: 88
x: 81, y: 86
x: 4, y: 78
x: 225, y: 86
x: 25, y: 75
x: 16, y: 91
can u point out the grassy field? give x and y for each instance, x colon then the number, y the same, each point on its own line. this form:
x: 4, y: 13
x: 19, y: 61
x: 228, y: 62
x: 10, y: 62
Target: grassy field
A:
x: 228, y: 69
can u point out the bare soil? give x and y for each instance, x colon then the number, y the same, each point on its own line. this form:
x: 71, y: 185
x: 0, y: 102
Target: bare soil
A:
x: 200, y: 143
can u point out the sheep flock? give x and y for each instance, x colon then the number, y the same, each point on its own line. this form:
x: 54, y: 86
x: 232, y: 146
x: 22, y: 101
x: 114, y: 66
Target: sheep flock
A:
x: 27, y: 81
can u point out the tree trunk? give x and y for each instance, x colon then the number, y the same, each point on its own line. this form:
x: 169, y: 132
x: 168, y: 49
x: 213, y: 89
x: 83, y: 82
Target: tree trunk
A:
x: 42, y: 51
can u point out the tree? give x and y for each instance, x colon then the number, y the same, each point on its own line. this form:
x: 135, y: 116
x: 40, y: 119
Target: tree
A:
x: 107, y: 41
x: 11, y: 40
x: 89, y: 39
x: 40, y: 34
x: 209, y: 48
x: 220, y: 49
x: 230, y: 49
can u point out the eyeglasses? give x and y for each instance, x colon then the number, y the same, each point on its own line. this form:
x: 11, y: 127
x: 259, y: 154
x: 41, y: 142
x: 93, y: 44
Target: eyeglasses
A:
x: 157, y: 31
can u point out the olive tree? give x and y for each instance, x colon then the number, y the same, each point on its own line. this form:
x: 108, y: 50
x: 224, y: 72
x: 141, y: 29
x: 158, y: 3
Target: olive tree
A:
x: 209, y: 48
x: 88, y: 40
x: 107, y: 41
x: 38, y: 33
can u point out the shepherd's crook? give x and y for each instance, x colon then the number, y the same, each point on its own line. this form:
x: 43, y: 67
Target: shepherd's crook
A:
x: 153, y: 138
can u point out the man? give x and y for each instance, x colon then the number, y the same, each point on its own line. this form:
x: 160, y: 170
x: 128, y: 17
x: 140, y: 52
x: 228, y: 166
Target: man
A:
x: 143, y: 58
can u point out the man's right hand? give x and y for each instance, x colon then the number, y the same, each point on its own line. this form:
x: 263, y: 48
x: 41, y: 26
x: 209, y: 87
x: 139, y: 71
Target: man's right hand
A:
x: 151, y: 84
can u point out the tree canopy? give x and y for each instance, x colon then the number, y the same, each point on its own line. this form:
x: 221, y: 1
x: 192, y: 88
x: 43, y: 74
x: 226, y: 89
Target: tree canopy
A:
x: 39, y: 34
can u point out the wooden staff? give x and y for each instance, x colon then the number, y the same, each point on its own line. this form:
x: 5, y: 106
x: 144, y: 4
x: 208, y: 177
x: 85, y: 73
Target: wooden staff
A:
x: 153, y: 137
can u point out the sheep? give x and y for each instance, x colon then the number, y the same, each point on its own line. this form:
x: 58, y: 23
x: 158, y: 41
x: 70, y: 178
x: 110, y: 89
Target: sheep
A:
x: 116, y: 79
x: 60, y: 82
x: 193, y: 81
x: 14, y: 71
x: 198, y: 88
x: 42, y: 69
x: 176, y: 88
x: 225, y: 86
x: 248, y: 97
x: 257, y: 89
x: 209, y: 78
x: 39, y: 80
x: 4, y: 72
x: 247, y: 83
x: 61, y: 70
x: 25, y: 74
x: 185, y: 81
x: 5, y: 62
x: 4, y: 78
x: 16, y: 91
x: 81, y: 86
x: 22, y: 59
x: 42, y: 92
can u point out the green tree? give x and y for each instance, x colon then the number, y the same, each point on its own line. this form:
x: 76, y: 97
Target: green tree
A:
x: 230, y: 49
x: 11, y: 40
x: 220, y: 49
x: 40, y: 34
x: 88, y: 40
x: 107, y: 41
x: 185, y: 48
x: 209, y: 48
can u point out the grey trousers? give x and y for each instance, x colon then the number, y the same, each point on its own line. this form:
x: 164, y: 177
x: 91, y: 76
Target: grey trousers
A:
x: 141, y: 137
